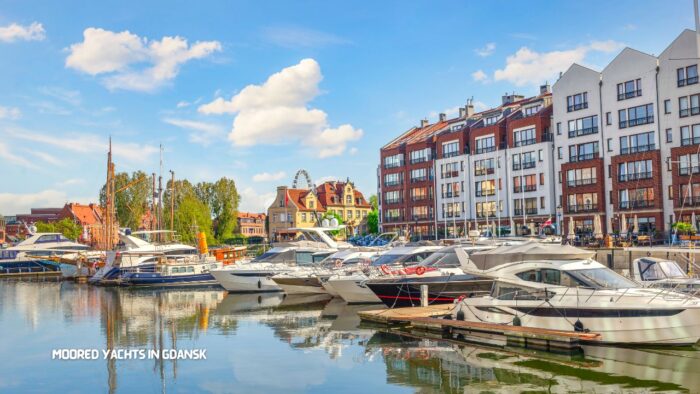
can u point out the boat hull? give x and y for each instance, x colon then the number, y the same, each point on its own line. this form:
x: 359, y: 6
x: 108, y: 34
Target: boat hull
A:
x: 17, y: 268
x: 354, y: 291
x: 300, y: 285
x: 145, y: 279
x: 239, y: 281
x: 405, y: 292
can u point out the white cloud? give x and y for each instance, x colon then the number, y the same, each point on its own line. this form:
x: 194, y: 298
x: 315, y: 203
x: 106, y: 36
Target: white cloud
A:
x: 202, y: 132
x: 88, y: 144
x: 449, y: 112
x: 480, y: 76
x: 277, y: 112
x: 324, y: 179
x: 353, y: 151
x: 6, y: 153
x: 14, y: 203
x: 297, y: 37
x: 183, y: 104
x: 15, y: 32
x: 252, y: 201
x: 267, y: 177
x: 119, y: 55
x: 71, y: 182
x: 487, y: 50
x: 527, y: 67
x: 480, y: 106
x: 11, y: 113
x: 49, y: 158
x: 72, y: 97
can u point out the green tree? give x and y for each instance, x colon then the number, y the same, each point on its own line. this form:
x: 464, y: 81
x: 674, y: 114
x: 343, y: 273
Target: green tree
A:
x: 192, y: 216
x: 373, y: 202
x: 222, y: 198
x: 373, y: 222
x: 65, y: 226
x: 132, y: 202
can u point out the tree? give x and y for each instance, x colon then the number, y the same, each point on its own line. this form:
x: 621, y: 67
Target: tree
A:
x: 222, y: 199
x: 192, y: 216
x: 131, y: 203
x: 374, y: 202
x: 373, y: 222
x: 65, y: 226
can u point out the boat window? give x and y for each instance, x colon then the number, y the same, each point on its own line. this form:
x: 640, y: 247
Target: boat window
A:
x: 304, y: 258
x: 441, y: 260
x: 530, y: 276
x: 655, y: 270
x: 514, y: 292
x: 387, y: 259
x: 416, y: 258
x: 318, y: 257
x: 550, y: 276
x: 48, y: 238
x: 602, y: 278
x: 190, y: 269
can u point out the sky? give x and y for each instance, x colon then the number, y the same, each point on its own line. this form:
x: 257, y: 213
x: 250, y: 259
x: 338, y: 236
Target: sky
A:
x: 255, y: 91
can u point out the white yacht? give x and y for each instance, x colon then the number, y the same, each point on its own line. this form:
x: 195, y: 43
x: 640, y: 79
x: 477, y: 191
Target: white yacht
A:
x: 38, y: 254
x: 562, y: 287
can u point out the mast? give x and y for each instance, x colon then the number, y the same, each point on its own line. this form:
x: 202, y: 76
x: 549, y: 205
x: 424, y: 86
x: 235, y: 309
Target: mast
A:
x: 172, y: 200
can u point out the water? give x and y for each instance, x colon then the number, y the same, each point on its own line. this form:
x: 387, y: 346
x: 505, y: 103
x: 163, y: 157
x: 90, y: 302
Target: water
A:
x: 272, y: 344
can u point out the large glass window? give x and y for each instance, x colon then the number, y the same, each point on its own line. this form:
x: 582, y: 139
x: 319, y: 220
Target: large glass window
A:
x: 421, y: 155
x: 634, y: 170
x: 484, y: 167
x: 577, y: 102
x: 583, y: 126
x: 636, y: 143
x: 485, y: 144
x: 629, y: 89
x: 393, y: 161
x: 690, y: 135
x: 524, y: 137
x: 635, y: 116
x: 581, y: 176
x: 450, y: 149
x: 485, y: 188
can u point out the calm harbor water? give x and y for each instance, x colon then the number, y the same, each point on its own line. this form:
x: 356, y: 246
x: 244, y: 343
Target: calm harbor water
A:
x: 270, y: 343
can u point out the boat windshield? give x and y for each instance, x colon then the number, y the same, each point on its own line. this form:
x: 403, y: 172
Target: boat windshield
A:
x: 441, y: 260
x: 308, y: 236
x: 388, y: 259
x: 274, y: 257
x: 656, y: 270
x: 602, y: 278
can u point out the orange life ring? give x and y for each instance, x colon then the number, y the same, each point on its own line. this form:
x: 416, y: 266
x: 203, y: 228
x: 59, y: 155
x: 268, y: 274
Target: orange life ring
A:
x: 420, y: 270
x: 338, y: 263
x: 385, y: 269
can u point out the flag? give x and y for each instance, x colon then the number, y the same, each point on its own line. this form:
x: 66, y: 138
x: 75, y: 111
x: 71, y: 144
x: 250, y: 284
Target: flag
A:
x: 547, y: 223
x: 286, y: 199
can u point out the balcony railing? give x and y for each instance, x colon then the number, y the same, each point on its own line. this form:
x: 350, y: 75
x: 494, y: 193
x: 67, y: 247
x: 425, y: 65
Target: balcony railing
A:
x: 392, y: 183
x: 577, y: 107
x: 548, y: 137
x: 582, y: 208
x: 485, y: 149
x: 692, y: 201
x: 584, y: 157
x: 482, y: 215
x: 419, y: 198
x: 526, y: 142
x: 393, y: 201
x: 450, y: 154
x: 636, y: 204
x: 690, y: 141
x: 688, y: 170
x: 524, y: 165
x: 421, y: 179
x: 482, y: 193
x: 687, y: 81
x: 421, y: 159
x: 422, y: 217
x: 450, y: 195
x: 629, y: 95
x: 393, y: 219
x: 634, y: 176
x: 637, y: 149
x: 528, y: 211
x: 526, y: 188
x: 584, y: 131
x: 689, y: 111
x: 388, y: 166
x: 483, y: 171
x: 581, y: 182
x: 636, y: 121
x: 449, y: 174
x: 450, y: 214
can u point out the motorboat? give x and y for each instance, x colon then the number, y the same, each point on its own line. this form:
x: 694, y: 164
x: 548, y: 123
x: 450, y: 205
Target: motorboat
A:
x: 38, y: 254
x: 663, y: 273
x: 441, y: 272
x: 351, y: 286
x: 139, y: 252
x: 314, y: 279
x: 561, y: 287
x: 183, y: 271
x: 311, y: 246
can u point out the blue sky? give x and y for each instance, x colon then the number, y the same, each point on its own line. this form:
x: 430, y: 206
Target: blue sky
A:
x: 257, y: 90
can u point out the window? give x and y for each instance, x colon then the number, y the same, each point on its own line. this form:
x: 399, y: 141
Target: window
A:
x: 392, y: 214
x: 636, y: 143
x: 582, y: 152
x: 690, y: 135
x: 669, y: 135
x: 419, y: 175
x: 529, y: 111
x: 485, y: 144
x: 450, y: 149
x: 577, y: 102
x: 524, y: 137
x: 581, y: 176
x: 540, y: 155
x: 491, y: 120
x: 629, y: 89
x: 690, y: 194
x: 558, y: 128
x: 449, y: 170
x: 483, y: 167
x: 608, y: 118
x: 484, y: 209
x: 689, y: 105
x: 485, y: 188
x: 542, y: 202
x: 393, y: 179
x: 667, y: 106
x: 609, y: 144
x: 559, y: 155
x: 526, y: 183
x: 524, y: 160
x: 450, y: 190
x: 393, y: 161
x: 583, y: 126
x: 689, y: 164
x: 635, y: 116
x: 420, y: 156
x: 636, y: 198
x: 530, y: 206
x: 634, y: 170
x: 687, y: 75
x: 582, y: 202
x: 348, y: 200
x: 542, y: 178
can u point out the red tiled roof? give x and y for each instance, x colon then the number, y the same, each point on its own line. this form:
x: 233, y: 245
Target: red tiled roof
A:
x: 296, y: 196
x: 417, y: 134
x: 84, y: 214
x: 250, y: 215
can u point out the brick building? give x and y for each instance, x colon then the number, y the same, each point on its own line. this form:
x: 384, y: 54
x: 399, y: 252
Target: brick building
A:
x: 252, y: 224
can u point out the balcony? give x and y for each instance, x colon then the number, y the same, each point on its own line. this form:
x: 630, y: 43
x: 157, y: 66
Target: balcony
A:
x: 629, y: 95
x: 421, y: 179
x: 393, y: 219
x: 483, y: 171
x: 449, y: 174
x: 688, y: 170
x: 524, y: 165
x: 450, y: 214
x: 692, y: 201
x: 637, y: 149
x: 450, y: 195
x: 450, y: 154
x: 547, y: 137
x: 528, y: 211
x: 417, y: 160
x: 584, y: 131
x: 483, y: 215
x: 422, y: 217
x: 485, y: 149
x: 525, y: 142
x: 638, y: 204
x: 687, y: 81
x: 582, y: 208
x: 482, y: 193
x: 527, y: 188
x: 389, y: 166
x: 584, y: 157
x: 392, y: 183
x: 581, y: 182
x: 689, y: 111
x: 635, y: 176
x: 577, y: 107
x: 690, y: 141
x: 393, y: 201
x: 636, y: 122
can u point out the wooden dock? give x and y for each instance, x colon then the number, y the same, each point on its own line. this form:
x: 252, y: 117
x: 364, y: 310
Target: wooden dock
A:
x: 430, y: 320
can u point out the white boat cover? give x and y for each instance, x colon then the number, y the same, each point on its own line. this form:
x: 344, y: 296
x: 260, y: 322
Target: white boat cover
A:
x: 529, y: 251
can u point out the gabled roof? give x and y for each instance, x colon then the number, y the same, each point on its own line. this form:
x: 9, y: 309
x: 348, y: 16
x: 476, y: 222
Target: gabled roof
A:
x: 84, y: 214
x: 417, y: 134
x: 674, y: 49
x: 250, y: 215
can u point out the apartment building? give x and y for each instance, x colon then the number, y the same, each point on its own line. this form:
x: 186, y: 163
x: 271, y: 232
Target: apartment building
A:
x: 624, y: 142
x: 487, y: 170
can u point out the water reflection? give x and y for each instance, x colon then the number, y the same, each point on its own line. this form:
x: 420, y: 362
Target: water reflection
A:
x: 271, y: 343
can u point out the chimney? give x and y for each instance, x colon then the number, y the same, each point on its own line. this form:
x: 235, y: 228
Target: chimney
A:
x: 423, y: 123
x: 511, y: 98
x: 470, y: 107
x: 443, y: 117
x: 544, y: 89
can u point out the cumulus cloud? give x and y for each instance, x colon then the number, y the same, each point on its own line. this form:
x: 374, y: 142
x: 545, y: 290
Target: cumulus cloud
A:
x: 267, y: 177
x: 480, y: 76
x: 252, y: 201
x: 277, y: 111
x: 528, y: 67
x: 11, y: 113
x: 200, y: 132
x: 130, y: 62
x: 15, y: 32
x: 13, y: 203
x: 487, y: 50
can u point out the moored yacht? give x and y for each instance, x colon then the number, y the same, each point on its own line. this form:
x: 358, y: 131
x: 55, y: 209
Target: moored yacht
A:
x: 563, y: 288
x: 37, y: 254
x: 662, y: 273
x: 183, y: 271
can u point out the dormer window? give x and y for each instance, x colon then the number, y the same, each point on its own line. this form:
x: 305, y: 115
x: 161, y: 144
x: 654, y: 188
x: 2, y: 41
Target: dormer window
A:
x: 348, y: 199
x: 490, y: 120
